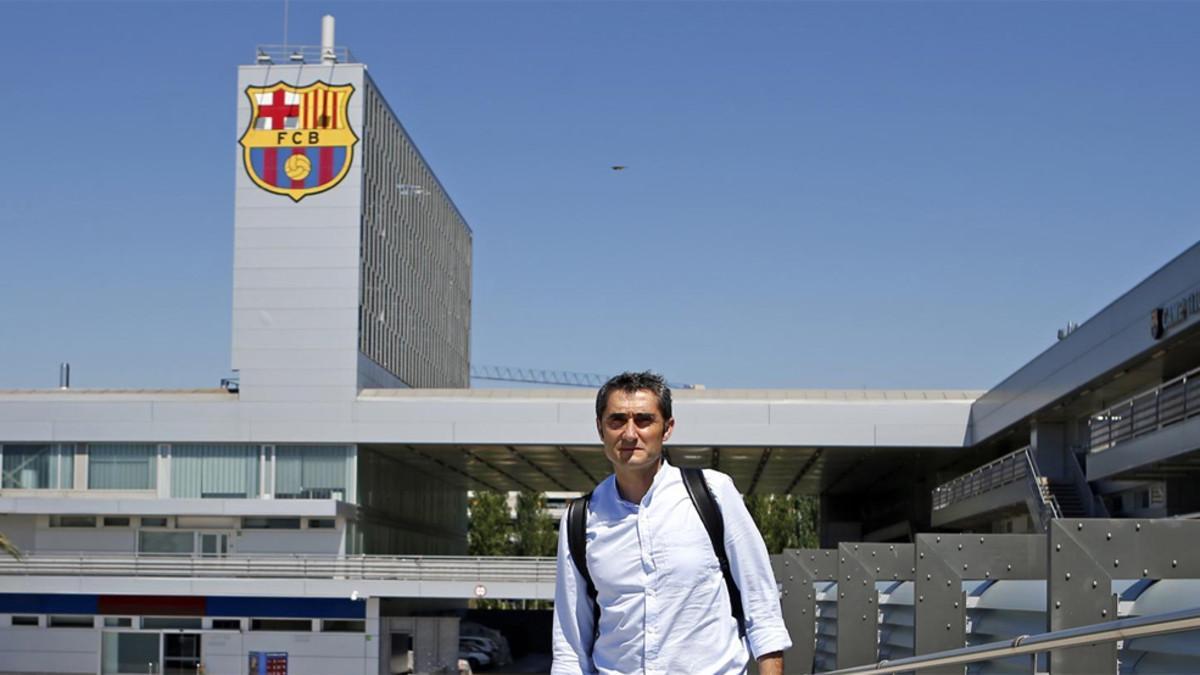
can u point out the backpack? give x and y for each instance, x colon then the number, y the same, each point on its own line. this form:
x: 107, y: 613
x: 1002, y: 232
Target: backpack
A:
x: 710, y: 514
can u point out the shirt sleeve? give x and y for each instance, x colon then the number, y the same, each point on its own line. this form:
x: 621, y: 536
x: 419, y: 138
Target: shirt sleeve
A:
x: 572, y: 615
x: 751, y: 567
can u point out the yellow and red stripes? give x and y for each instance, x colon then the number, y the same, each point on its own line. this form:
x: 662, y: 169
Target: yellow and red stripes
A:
x: 322, y: 110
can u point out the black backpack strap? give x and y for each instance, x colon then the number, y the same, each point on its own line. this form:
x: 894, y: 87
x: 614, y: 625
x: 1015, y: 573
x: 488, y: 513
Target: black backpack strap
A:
x: 577, y: 512
x: 710, y: 514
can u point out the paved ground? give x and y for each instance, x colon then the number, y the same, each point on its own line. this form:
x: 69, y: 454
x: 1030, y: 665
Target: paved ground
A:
x: 530, y: 663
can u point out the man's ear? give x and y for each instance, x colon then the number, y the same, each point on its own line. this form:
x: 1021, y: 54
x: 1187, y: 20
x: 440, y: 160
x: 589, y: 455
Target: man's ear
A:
x: 670, y: 426
x: 599, y: 429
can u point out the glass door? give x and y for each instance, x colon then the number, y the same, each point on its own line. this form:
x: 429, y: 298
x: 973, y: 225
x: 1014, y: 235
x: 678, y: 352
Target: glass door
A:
x: 181, y: 654
x: 214, y: 544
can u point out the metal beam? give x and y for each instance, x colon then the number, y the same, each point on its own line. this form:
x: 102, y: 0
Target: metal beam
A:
x: 1087, y: 554
x: 758, y: 471
x: 470, y: 455
x: 537, y: 468
x: 455, y: 469
x: 859, y: 567
x: 944, y: 561
x: 804, y: 469
x: 797, y: 571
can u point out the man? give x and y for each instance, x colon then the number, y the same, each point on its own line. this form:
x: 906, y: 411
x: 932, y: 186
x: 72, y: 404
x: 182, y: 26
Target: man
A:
x: 664, y: 606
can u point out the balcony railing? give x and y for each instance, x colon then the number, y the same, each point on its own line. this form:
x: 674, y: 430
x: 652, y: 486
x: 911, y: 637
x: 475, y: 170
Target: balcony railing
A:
x: 1168, y: 403
x: 1018, y: 465
x: 392, y: 568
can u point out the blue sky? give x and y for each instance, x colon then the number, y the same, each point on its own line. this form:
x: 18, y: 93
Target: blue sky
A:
x: 819, y: 194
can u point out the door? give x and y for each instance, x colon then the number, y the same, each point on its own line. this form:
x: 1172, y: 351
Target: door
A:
x: 214, y: 544
x: 181, y: 654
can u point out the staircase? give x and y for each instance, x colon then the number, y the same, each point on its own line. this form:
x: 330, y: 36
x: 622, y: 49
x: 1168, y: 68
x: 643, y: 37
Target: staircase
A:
x: 1070, y: 502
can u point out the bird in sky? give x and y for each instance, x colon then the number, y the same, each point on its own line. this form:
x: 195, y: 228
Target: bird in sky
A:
x: 618, y: 167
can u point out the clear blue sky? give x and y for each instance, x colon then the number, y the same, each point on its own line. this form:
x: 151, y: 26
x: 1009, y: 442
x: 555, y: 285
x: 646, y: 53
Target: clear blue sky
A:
x: 819, y: 194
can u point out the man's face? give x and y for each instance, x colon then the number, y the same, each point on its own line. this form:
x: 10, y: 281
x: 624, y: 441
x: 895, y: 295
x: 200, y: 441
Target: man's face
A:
x: 633, y: 430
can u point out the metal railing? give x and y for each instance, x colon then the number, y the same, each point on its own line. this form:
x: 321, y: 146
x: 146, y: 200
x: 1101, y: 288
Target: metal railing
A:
x: 1018, y: 465
x: 398, y: 568
x: 1170, y: 402
x: 297, y: 54
x: 1111, y: 631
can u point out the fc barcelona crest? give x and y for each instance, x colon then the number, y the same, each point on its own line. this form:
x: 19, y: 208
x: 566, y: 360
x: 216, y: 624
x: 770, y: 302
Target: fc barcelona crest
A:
x: 299, y: 141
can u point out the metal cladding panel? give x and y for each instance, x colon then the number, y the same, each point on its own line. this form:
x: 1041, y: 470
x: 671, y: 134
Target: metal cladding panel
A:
x: 38, y: 603
x: 1120, y: 332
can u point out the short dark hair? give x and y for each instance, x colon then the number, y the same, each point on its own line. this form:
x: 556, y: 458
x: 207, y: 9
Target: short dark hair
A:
x: 631, y: 383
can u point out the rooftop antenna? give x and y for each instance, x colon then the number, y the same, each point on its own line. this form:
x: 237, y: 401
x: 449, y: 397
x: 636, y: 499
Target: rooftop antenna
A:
x: 327, y: 53
x: 64, y: 375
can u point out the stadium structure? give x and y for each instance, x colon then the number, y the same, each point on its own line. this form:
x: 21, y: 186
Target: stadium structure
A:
x: 314, y: 516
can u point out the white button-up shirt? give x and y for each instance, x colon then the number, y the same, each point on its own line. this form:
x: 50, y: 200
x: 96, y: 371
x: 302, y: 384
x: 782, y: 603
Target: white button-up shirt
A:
x: 664, y: 605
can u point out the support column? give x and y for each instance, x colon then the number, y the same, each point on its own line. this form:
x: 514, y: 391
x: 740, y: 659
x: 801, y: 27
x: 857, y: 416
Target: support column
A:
x: 859, y: 567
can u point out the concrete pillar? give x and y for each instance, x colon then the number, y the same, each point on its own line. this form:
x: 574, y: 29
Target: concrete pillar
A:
x: 1048, y: 443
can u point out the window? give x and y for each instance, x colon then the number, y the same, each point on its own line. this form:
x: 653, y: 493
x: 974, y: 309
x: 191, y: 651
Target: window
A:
x: 32, y: 467
x: 155, y: 521
x: 116, y: 521
x: 129, y: 653
x: 212, y: 471
x: 171, y: 622
x: 259, y: 523
x: 292, y: 625
x: 227, y: 624
x: 71, y: 621
x: 118, y: 622
x: 178, y: 541
x: 321, y: 523
x: 311, y: 472
x: 72, y: 521
x: 122, y: 466
x: 343, y: 626
x: 22, y: 620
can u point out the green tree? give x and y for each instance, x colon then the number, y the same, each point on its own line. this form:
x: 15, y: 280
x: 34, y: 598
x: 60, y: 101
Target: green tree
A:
x: 9, y: 547
x: 490, y: 528
x: 785, y: 521
x: 534, y: 529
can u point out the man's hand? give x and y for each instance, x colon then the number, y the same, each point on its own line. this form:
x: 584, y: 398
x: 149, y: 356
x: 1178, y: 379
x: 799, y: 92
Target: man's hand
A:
x: 771, y: 664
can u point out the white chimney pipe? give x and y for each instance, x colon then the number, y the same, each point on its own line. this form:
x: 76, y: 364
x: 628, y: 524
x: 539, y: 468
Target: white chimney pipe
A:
x: 327, y: 53
x: 64, y: 375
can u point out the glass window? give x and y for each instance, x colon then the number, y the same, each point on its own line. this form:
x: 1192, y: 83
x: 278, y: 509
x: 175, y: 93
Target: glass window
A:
x: 71, y: 621
x: 33, y: 467
x: 19, y: 620
x: 171, y: 622
x: 212, y: 471
x: 259, y: 523
x: 227, y: 624
x: 166, y: 542
x: 129, y: 653
x: 118, y: 622
x: 343, y: 626
x: 321, y: 523
x: 72, y: 521
x: 293, y: 625
x: 154, y: 521
x: 311, y: 472
x: 122, y: 466
x: 116, y: 521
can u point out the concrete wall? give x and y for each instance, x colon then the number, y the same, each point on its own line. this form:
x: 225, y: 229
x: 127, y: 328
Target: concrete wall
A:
x: 49, y: 650
x: 296, y: 270
x: 289, y: 541
x: 1118, y: 333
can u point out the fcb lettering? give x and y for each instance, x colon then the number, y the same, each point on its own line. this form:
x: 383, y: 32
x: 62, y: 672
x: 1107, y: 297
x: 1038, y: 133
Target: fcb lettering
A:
x: 298, y: 142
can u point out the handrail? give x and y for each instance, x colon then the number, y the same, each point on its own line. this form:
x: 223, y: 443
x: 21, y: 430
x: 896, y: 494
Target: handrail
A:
x: 1173, y: 400
x: 1016, y: 465
x: 995, y: 474
x: 399, y: 568
x: 1110, y: 631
